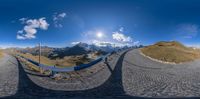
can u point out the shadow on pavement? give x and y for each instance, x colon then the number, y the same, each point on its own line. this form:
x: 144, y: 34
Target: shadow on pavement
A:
x: 112, y: 88
x: 108, y: 65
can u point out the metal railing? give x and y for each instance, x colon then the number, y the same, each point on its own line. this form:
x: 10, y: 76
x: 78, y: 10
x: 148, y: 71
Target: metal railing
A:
x: 66, y: 69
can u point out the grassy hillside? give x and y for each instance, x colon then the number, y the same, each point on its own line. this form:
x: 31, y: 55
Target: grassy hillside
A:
x: 1, y: 53
x: 66, y: 61
x: 44, y: 60
x: 171, y: 52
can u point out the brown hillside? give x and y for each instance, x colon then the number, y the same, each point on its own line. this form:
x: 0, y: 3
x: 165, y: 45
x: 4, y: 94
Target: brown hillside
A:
x: 1, y: 53
x: 171, y: 52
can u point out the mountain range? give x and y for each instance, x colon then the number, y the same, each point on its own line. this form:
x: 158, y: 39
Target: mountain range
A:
x: 78, y: 49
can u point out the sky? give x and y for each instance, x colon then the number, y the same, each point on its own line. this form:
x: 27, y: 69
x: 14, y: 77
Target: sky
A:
x: 61, y: 23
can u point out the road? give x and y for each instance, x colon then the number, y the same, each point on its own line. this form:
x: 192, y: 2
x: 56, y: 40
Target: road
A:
x: 111, y: 88
x: 146, y: 78
x: 132, y: 76
x: 8, y: 75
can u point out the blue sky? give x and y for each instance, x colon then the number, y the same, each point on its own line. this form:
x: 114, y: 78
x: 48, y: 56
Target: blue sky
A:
x: 119, y: 22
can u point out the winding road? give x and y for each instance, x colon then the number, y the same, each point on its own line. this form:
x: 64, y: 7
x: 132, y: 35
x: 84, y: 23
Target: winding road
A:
x: 133, y: 76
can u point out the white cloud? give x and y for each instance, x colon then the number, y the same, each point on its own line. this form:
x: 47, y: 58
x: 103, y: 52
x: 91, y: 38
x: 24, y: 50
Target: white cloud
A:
x: 116, y: 39
x: 23, y: 20
x: 43, y: 24
x: 20, y: 31
x: 188, y: 30
x: 101, y: 43
x: 62, y: 15
x: 13, y: 45
x: 121, y: 29
x: 193, y: 45
x: 74, y: 43
x: 121, y: 37
x: 20, y: 37
x: 105, y: 44
x: 30, y: 28
x: 136, y: 42
x: 57, y: 18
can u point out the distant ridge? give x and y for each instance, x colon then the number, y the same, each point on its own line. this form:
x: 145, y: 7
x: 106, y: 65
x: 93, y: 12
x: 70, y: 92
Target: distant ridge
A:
x: 78, y: 49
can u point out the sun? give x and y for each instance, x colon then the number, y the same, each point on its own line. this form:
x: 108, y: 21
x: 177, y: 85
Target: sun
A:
x: 99, y: 34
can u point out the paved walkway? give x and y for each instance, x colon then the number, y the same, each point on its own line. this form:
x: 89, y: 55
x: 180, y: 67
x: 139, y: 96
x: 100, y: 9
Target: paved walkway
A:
x: 8, y: 76
x: 147, y: 78
x: 130, y: 78
x: 111, y: 88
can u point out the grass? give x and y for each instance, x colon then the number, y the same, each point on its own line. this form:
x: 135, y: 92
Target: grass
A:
x: 44, y: 60
x: 30, y: 65
x: 65, y: 62
x: 33, y: 67
x: 71, y: 61
x: 1, y: 53
x: 171, y: 52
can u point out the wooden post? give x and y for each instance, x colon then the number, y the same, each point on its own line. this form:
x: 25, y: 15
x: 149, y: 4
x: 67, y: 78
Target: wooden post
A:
x: 39, y: 52
x: 41, y: 71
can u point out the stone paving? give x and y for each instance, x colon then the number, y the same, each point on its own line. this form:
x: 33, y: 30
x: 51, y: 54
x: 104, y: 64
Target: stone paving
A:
x: 146, y: 78
x: 8, y: 76
x: 123, y: 75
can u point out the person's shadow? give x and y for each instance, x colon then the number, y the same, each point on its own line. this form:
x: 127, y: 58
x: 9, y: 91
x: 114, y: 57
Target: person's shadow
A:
x: 112, y: 88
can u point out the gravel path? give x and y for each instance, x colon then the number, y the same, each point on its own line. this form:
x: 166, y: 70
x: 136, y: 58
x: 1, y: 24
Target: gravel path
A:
x: 8, y: 76
x: 146, y: 78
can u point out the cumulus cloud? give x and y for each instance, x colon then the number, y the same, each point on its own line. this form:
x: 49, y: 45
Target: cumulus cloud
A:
x: 30, y: 28
x: 57, y: 18
x: 43, y: 24
x: 20, y: 37
x: 121, y: 37
x: 188, y: 30
x: 20, y: 34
